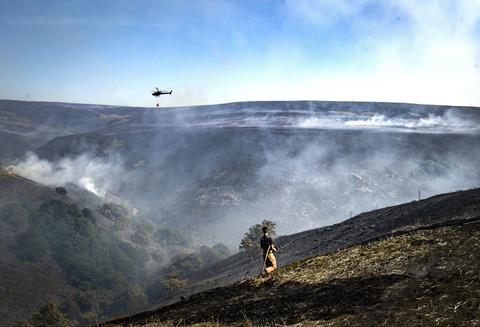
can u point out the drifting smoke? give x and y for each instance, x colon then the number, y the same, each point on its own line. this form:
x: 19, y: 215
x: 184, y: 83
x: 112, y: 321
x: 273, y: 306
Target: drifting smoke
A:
x: 312, y: 117
x: 216, y: 171
x: 447, y: 123
x: 94, y: 174
x: 326, y: 182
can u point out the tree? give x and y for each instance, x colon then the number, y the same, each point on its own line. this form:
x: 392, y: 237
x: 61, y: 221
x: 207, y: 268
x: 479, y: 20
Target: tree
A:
x: 143, y: 233
x: 171, y: 237
x: 174, y: 282
x: 250, y: 242
x: 186, y: 263
x: 94, y: 260
x: 121, y: 224
x: 113, y: 211
x: 221, y: 250
x: 48, y: 316
x: 214, y: 254
x: 61, y: 190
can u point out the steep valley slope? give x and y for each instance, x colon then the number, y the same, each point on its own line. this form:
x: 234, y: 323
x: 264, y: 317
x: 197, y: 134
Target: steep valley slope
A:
x: 56, y: 249
x: 428, y: 276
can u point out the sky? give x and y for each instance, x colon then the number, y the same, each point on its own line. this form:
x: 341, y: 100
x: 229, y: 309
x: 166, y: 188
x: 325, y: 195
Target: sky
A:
x: 215, y: 51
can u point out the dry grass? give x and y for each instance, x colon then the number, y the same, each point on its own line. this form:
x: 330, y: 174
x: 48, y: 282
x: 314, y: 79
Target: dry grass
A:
x: 400, y: 255
x: 426, y: 278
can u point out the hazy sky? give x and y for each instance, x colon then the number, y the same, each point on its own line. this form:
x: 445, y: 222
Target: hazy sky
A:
x: 116, y: 51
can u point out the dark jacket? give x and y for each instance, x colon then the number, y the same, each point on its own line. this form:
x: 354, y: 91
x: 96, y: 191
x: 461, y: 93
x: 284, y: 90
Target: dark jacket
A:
x: 265, y: 243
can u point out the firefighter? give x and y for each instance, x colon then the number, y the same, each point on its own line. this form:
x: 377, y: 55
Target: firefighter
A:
x: 268, y: 247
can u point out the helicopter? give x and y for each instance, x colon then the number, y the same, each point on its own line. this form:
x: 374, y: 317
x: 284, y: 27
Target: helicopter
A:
x: 156, y: 93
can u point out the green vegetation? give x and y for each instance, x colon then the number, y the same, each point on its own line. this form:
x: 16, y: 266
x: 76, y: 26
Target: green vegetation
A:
x: 172, y: 237
x: 186, y: 265
x: 61, y: 190
x: 250, y: 242
x: 211, y: 255
x: 113, y: 211
x: 121, y: 224
x: 143, y: 233
x: 174, y: 282
x: 48, y: 316
x: 107, y: 272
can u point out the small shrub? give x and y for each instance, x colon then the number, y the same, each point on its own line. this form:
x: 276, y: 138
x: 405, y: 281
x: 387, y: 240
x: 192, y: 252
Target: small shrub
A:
x: 48, y: 316
x: 121, y: 224
x: 113, y: 211
x: 140, y: 238
x: 171, y: 237
x: 61, y: 190
x: 187, y: 263
x: 175, y: 282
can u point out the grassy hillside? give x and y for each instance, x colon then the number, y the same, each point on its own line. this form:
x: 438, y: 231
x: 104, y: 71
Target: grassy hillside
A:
x: 427, y: 277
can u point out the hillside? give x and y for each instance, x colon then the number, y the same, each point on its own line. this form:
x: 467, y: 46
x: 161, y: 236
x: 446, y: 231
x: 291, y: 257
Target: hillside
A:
x: 69, y: 247
x: 190, y: 181
x: 428, y: 276
x: 360, y: 229
x: 52, y: 249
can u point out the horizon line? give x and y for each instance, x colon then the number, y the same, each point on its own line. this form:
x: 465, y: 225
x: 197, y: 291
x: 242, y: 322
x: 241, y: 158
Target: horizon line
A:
x: 245, y: 101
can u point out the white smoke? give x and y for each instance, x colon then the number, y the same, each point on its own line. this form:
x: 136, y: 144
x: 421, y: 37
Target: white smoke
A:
x: 88, y: 183
x: 321, y: 184
x: 94, y: 174
x: 447, y: 123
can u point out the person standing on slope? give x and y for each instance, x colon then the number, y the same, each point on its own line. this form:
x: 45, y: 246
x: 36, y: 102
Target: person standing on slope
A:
x: 268, y: 247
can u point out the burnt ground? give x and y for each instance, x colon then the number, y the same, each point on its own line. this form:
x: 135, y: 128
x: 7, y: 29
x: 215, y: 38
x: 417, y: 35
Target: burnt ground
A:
x: 361, y: 229
x: 428, y: 276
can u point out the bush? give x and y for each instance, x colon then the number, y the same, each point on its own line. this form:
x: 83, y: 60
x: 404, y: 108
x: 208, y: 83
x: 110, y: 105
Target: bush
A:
x: 214, y: 254
x: 221, y: 250
x: 175, y: 282
x: 143, y: 233
x: 121, y: 224
x: 129, y: 300
x: 113, y: 211
x: 140, y: 238
x: 171, y: 237
x: 61, y: 190
x: 187, y: 263
x: 251, y: 240
x: 48, y: 316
